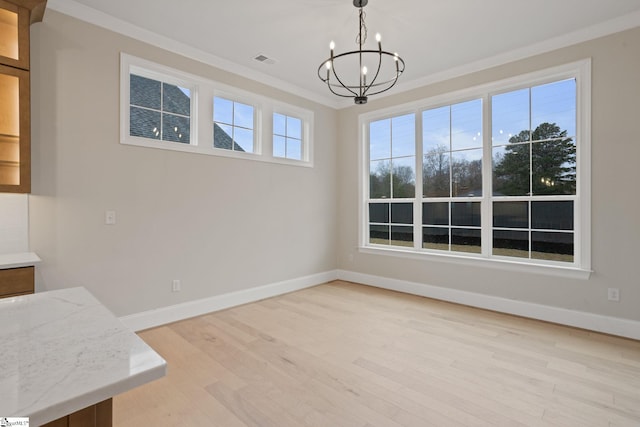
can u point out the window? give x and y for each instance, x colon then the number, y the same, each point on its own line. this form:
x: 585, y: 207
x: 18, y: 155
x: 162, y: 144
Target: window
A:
x: 391, y: 223
x: 287, y: 137
x: 159, y: 110
x: 504, y: 173
x: 233, y: 125
x: 534, y: 171
x: 168, y: 109
x: 291, y: 135
x: 452, y: 172
x: 392, y: 179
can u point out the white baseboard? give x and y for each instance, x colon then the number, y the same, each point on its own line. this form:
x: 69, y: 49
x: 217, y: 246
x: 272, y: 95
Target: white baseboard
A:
x: 594, y: 322
x: 173, y: 313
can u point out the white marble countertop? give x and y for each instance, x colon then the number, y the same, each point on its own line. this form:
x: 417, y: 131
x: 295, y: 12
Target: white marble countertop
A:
x: 61, y: 351
x: 22, y: 259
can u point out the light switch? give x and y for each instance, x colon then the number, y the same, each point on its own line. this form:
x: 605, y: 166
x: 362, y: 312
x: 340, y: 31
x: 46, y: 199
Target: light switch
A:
x: 110, y: 217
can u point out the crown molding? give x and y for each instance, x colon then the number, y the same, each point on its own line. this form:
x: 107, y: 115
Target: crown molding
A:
x: 602, y: 29
x: 101, y: 19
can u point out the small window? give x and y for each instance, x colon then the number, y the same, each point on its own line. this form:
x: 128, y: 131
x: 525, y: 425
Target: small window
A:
x: 168, y: 109
x: 159, y: 110
x: 233, y: 125
x: 287, y: 137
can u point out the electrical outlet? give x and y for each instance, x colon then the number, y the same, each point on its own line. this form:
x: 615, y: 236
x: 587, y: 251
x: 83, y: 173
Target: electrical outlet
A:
x: 613, y: 294
x: 176, y: 286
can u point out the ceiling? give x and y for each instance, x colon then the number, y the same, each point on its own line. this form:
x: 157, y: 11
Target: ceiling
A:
x: 436, y: 38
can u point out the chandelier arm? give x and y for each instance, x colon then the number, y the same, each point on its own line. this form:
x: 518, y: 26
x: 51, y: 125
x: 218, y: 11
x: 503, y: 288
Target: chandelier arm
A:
x: 399, y: 72
x: 366, y: 89
x: 392, y: 80
x: 323, y: 66
x: 328, y: 80
x: 350, y: 95
x: 384, y: 53
x: 333, y: 68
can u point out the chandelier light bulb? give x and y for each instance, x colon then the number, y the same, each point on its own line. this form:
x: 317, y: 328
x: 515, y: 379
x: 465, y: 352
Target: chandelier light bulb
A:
x: 328, y: 65
x: 378, y: 37
x: 364, y: 71
x: 332, y: 45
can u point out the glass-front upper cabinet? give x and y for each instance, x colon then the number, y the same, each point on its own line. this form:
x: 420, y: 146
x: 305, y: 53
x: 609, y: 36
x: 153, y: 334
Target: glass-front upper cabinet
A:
x: 14, y: 35
x: 16, y: 16
x: 14, y: 130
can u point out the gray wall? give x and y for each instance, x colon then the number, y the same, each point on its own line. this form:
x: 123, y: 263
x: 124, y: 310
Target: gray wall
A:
x: 615, y: 202
x: 217, y: 224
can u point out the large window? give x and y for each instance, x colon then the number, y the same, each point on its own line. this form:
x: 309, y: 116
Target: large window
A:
x: 504, y: 173
x: 164, y: 108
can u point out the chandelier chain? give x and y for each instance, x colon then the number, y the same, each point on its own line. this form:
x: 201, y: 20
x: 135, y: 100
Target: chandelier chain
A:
x: 361, y: 38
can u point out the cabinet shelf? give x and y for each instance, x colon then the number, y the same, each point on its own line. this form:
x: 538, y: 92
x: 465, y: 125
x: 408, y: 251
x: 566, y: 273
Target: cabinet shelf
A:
x: 9, y: 150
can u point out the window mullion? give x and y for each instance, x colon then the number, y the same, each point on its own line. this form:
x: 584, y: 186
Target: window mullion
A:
x: 417, y: 205
x: 450, y: 198
x: 486, y: 207
x: 162, y: 111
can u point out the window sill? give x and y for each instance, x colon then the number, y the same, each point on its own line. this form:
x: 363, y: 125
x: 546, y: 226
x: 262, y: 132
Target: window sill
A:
x: 571, y: 272
x: 210, y: 151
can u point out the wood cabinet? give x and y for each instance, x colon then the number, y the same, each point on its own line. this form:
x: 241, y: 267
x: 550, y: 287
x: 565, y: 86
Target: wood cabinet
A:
x: 16, y: 281
x: 15, y: 112
x: 98, y: 415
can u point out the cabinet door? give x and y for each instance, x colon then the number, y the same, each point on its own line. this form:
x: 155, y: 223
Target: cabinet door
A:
x: 16, y: 281
x: 15, y: 131
x: 14, y: 35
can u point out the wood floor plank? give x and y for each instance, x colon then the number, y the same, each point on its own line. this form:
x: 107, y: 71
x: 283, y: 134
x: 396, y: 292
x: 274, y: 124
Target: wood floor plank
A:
x: 343, y: 354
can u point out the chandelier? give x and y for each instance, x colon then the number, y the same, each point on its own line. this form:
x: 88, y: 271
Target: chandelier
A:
x: 385, y: 67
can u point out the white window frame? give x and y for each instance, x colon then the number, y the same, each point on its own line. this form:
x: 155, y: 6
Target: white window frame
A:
x: 581, y: 267
x: 246, y: 98
x: 201, y: 119
x: 162, y: 74
x: 306, y: 117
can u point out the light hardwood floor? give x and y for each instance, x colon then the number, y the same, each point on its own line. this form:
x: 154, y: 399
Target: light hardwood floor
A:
x: 342, y: 354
